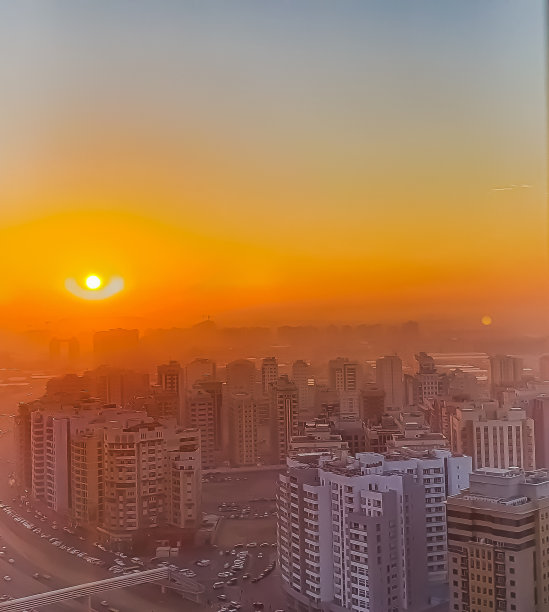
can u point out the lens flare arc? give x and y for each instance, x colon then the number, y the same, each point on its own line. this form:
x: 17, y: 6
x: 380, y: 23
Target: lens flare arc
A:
x: 114, y: 286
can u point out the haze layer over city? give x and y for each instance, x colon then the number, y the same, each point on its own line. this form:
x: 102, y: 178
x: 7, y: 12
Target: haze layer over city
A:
x: 273, y: 322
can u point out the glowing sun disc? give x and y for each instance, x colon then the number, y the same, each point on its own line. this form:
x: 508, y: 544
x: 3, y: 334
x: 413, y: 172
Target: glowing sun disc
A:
x: 93, y: 282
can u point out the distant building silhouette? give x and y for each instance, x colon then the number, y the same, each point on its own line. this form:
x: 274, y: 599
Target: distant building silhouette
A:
x: 71, y: 352
x: 389, y: 379
x: 241, y: 376
x: 199, y: 370
x: 116, y: 347
x: 505, y: 371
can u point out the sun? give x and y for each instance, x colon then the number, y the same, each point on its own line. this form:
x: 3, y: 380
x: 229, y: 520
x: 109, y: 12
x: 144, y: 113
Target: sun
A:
x: 93, y: 282
x: 95, y: 288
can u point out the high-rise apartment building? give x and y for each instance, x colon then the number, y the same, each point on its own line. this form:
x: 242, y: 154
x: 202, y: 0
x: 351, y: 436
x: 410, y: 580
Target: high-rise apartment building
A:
x: 23, y: 446
x: 305, y: 383
x: 300, y: 372
x: 170, y: 377
x: 352, y: 377
x: 351, y: 537
x: 200, y: 414
x: 86, y: 475
x: 220, y: 418
x: 185, y: 481
x: 498, y: 549
x: 284, y: 416
x: 138, y: 477
x: 269, y: 373
x: 335, y: 373
x: 344, y: 375
x: 243, y: 448
x: 50, y: 455
x: 442, y: 474
x: 50, y: 459
x: 115, y: 470
x: 389, y: 379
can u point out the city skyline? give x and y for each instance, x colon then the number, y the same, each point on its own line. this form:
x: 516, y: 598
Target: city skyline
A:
x: 274, y: 333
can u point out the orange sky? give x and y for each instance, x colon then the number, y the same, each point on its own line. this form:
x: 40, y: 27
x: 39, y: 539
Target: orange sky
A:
x: 376, y: 164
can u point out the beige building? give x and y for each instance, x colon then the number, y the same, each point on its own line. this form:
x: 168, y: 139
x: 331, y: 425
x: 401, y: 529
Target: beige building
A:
x: 494, y: 437
x: 498, y: 551
x: 141, y: 463
x: 135, y: 461
x: 50, y: 450
x: 119, y: 471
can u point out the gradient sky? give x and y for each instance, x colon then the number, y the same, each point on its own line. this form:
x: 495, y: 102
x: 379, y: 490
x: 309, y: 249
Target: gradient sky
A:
x: 268, y: 162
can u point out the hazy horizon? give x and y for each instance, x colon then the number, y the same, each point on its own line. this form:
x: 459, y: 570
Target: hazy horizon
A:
x: 265, y: 163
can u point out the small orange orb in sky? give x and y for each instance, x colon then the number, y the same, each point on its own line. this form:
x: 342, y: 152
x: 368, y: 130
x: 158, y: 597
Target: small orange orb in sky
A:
x: 486, y: 320
x: 93, y: 282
